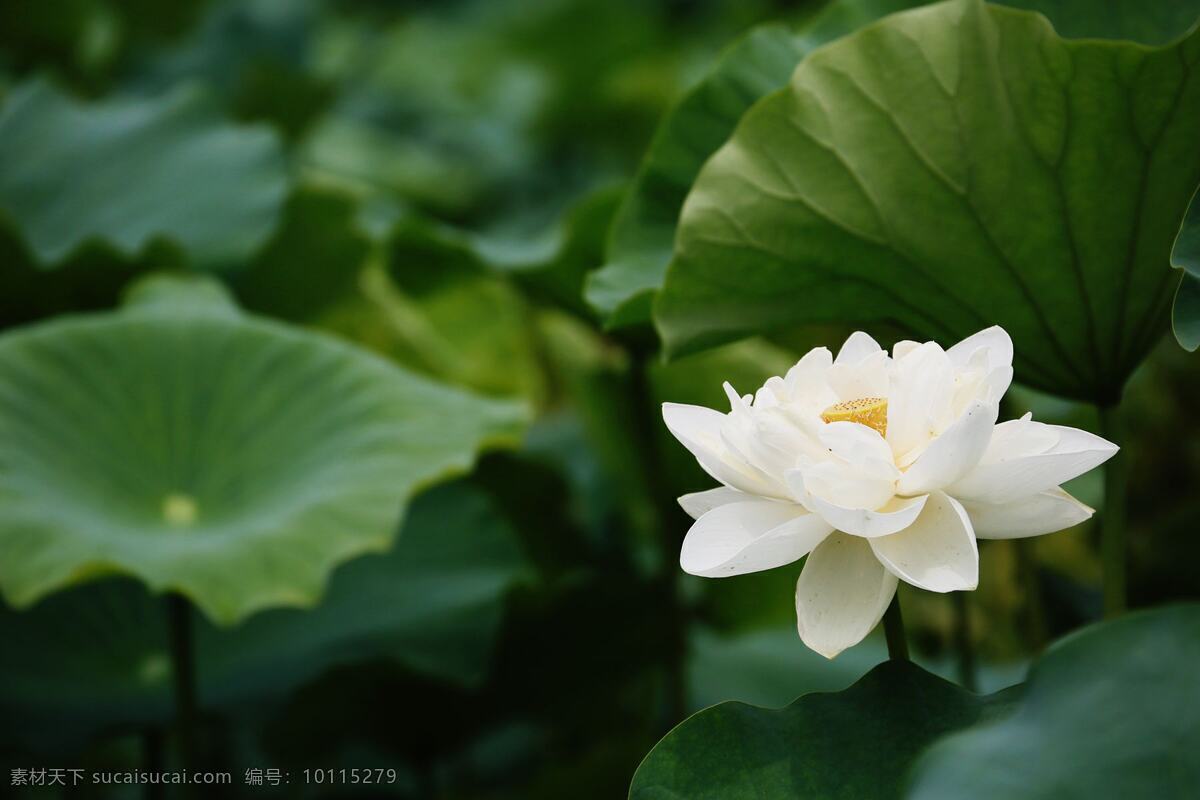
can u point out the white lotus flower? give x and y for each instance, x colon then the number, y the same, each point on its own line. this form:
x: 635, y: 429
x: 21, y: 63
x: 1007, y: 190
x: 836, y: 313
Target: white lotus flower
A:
x: 878, y: 468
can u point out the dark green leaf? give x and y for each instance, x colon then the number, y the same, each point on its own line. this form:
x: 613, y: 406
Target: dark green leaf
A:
x: 769, y: 666
x: 1185, y: 317
x: 130, y: 172
x: 851, y: 744
x: 643, y: 233
x: 1148, y: 23
x: 550, y: 260
x: 312, y: 262
x: 96, y: 656
x: 644, y: 229
x: 1186, y: 314
x: 939, y: 169
x: 1110, y: 711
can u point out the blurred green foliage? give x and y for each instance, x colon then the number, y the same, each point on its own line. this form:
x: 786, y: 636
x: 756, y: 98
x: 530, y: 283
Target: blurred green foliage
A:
x: 437, y: 184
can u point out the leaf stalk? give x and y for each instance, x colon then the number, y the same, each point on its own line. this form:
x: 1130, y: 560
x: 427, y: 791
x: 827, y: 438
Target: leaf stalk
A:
x: 1113, y: 549
x: 893, y: 630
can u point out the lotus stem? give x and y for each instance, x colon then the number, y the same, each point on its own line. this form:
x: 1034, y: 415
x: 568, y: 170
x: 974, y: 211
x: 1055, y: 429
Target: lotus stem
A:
x: 1112, y: 521
x: 671, y: 524
x: 893, y: 629
x: 152, y: 761
x: 963, y: 643
x: 183, y: 668
x: 1034, y: 613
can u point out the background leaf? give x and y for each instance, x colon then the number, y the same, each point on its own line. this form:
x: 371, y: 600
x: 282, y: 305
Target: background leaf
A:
x: 95, y: 657
x: 643, y: 233
x: 1110, y: 711
x: 129, y: 172
x: 1185, y: 317
x: 795, y: 220
x: 226, y: 457
x: 816, y: 747
x: 1148, y: 23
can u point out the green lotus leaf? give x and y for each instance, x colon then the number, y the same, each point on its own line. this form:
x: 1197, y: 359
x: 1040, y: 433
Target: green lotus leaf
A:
x: 1185, y: 317
x: 1109, y: 711
x: 643, y: 233
x: 551, y: 260
x: 643, y: 230
x: 95, y: 656
x: 768, y: 667
x: 318, y: 239
x: 642, y: 237
x: 131, y: 172
x: 213, y: 453
x: 940, y: 169
x: 856, y: 743
x: 1134, y: 20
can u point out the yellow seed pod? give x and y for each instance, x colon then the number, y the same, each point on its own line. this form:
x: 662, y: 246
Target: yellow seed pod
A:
x: 869, y: 411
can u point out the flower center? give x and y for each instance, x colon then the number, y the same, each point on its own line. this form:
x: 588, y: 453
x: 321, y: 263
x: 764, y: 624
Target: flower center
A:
x: 869, y: 411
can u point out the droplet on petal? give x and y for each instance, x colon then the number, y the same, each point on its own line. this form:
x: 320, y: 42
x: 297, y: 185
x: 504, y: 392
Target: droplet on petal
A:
x: 869, y: 411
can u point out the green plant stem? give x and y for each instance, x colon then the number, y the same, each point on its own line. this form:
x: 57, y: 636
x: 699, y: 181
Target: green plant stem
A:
x: 1033, y: 611
x: 962, y: 641
x: 671, y: 523
x: 893, y: 629
x: 183, y: 667
x: 152, y: 761
x: 1113, y: 550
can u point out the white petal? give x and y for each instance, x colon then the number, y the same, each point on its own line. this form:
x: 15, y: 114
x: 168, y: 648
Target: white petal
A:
x: 919, y: 398
x: 744, y: 445
x: 997, y: 347
x: 1046, y: 512
x: 699, y: 430
x: 952, y: 454
x: 937, y: 552
x: 1026, y: 458
x: 856, y: 444
x: 771, y: 393
x: 697, y: 504
x: 750, y: 536
x: 904, y: 347
x: 865, y: 378
x: 858, y: 346
x: 838, y: 484
x: 841, y: 595
x: 994, y: 340
x: 790, y: 430
x: 1016, y: 438
x: 806, y: 379
x: 894, y: 515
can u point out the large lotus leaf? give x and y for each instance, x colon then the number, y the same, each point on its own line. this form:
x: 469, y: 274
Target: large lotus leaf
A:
x: 643, y: 230
x: 95, y: 656
x: 1110, y: 711
x: 131, y: 172
x: 1148, y: 23
x: 1186, y: 256
x: 856, y: 743
x: 942, y: 169
x: 643, y: 233
x: 768, y: 667
x: 223, y: 456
